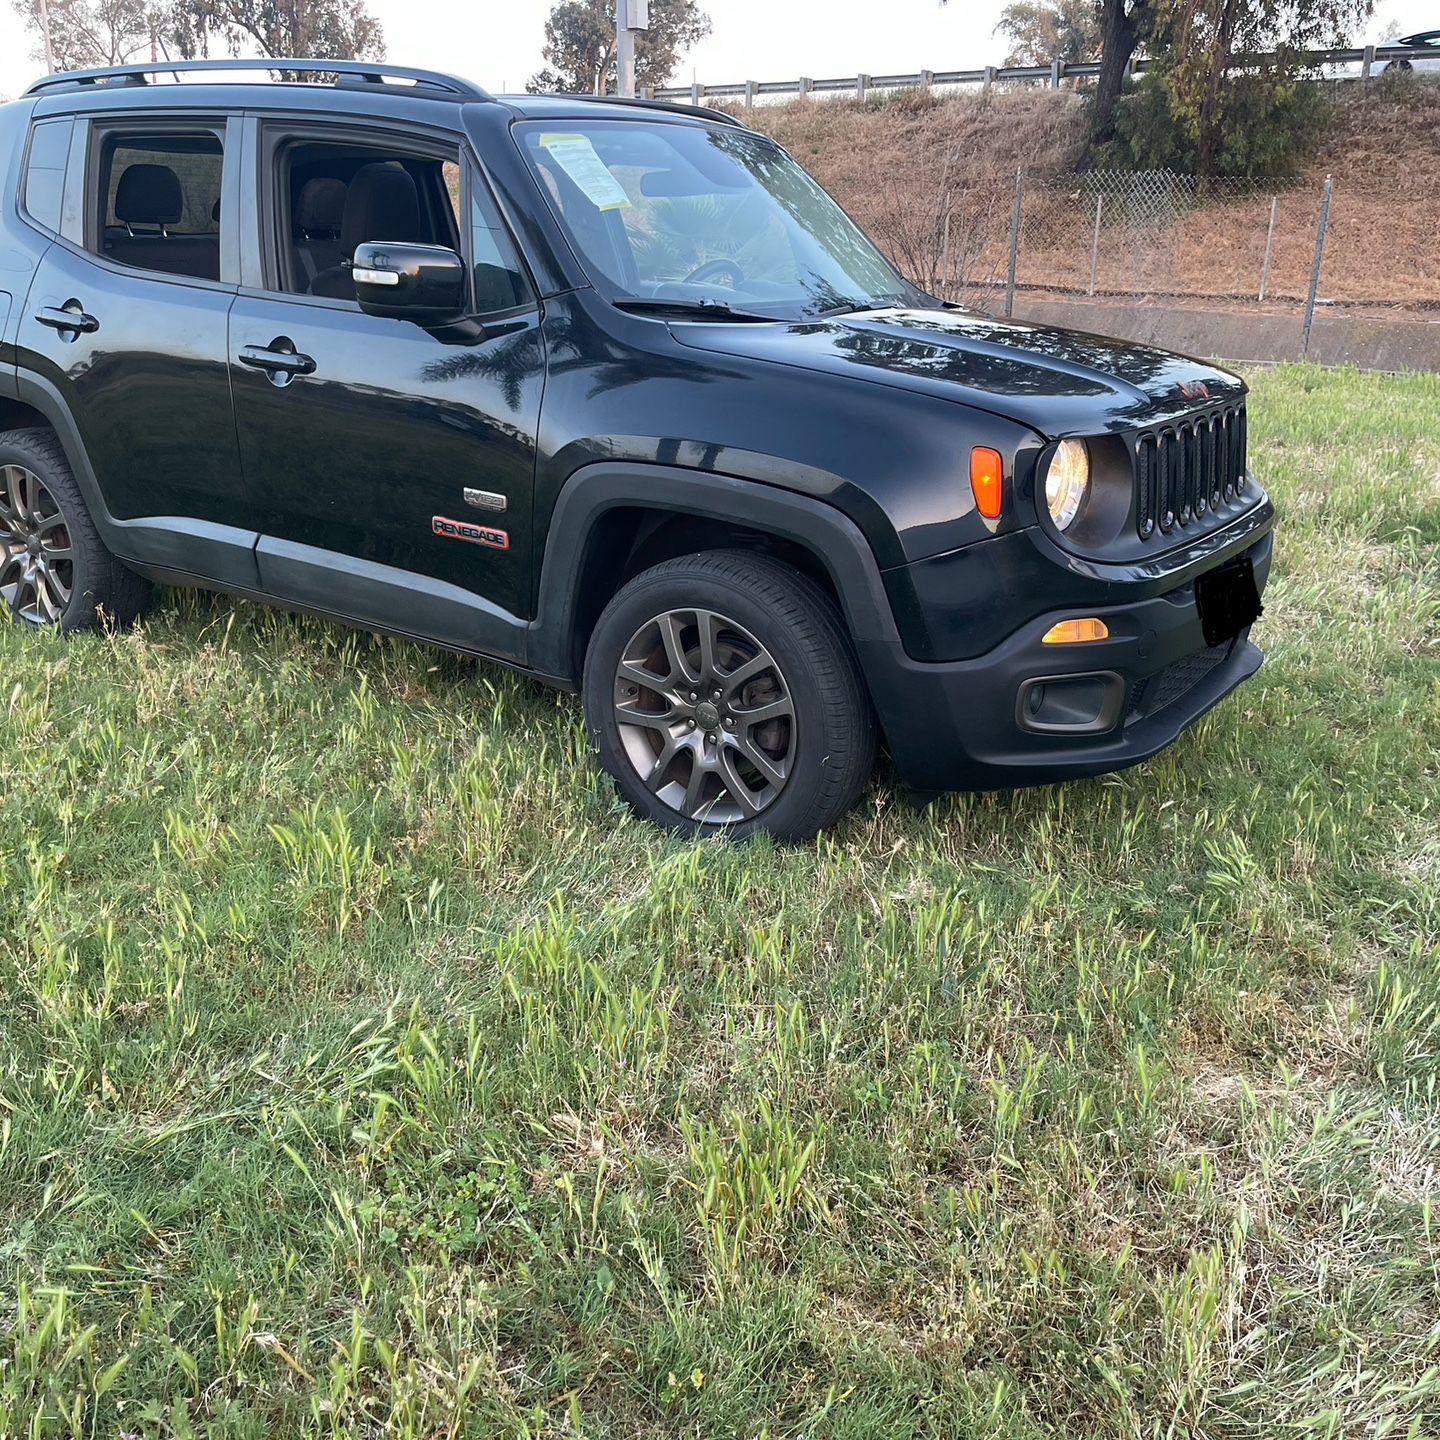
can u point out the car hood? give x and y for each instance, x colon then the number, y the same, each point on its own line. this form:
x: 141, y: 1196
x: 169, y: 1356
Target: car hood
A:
x: 1058, y: 382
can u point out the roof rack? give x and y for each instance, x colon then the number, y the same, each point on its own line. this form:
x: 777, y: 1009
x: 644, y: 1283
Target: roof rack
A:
x: 703, y: 112
x: 349, y: 73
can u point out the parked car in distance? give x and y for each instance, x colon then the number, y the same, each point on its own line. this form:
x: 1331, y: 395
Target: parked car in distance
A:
x: 613, y: 393
x: 1427, y: 41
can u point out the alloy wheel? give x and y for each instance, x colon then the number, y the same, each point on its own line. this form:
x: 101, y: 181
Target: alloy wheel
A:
x: 706, y: 716
x: 37, y: 551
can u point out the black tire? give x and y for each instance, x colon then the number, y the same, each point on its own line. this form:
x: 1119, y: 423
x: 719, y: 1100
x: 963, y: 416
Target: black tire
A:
x: 96, y: 588
x: 763, y: 620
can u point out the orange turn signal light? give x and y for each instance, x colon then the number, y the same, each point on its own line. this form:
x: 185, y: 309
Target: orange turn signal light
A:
x: 1077, y: 632
x: 987, y: 480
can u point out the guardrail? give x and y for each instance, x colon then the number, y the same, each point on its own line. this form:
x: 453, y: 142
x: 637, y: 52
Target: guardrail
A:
x: 1053, y: 74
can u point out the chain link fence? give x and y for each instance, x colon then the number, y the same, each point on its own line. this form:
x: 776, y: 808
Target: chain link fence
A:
x: 1159, y: 237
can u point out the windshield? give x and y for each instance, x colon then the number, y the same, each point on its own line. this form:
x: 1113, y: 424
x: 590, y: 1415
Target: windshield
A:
x: 675, y: 212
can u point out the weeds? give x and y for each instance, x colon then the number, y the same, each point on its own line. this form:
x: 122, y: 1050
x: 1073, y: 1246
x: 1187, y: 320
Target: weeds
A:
x: 366, y: 1069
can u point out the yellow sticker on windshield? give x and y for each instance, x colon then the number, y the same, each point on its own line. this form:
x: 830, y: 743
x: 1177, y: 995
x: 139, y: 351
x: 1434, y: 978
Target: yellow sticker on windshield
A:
x: 576, y: 156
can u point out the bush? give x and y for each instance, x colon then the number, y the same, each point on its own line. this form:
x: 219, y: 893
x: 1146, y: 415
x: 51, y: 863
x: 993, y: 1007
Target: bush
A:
x: 1270, y: 123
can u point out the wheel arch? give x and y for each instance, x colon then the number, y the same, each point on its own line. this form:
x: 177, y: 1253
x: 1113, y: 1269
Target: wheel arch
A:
x: 37, y: 403
x: 614, y: 519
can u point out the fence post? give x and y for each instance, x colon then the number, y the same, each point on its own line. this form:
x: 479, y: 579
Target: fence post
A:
x: 1319, y: 261
x: 1014, y: 241
x: 989, y: 79
x: 694, y: 92
x: 1095, y: 243
x: 749, y: 94
x: 927, y: 79
x: 1367, y: 64
x: 862, y: 86
x: 805, y: 83
x: 1055, y: 73
x: 1269, y: 247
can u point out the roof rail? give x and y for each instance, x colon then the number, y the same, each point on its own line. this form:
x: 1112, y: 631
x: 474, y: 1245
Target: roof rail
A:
x: 703, y: 112
x: 429, y: 83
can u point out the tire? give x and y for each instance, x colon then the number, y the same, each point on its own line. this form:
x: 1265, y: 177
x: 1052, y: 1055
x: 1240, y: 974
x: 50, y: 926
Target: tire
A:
x: 759, y: 725
x: 54, y: 567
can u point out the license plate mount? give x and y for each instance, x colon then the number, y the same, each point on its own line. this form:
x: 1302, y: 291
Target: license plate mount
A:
x: 1228, y: 600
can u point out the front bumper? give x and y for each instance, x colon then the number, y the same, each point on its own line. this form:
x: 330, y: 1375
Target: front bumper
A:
x: 1026, y: 713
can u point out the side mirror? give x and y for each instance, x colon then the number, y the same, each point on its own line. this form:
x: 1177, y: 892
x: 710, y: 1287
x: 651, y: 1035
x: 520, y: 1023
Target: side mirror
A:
x: 400, y: 281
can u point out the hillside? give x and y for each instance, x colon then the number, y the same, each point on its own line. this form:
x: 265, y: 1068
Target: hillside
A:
x: 899, y: 164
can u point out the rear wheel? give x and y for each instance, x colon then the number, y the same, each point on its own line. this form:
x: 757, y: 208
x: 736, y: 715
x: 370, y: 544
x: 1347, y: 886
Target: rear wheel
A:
x: 724, y: 696
x: 54, y: 568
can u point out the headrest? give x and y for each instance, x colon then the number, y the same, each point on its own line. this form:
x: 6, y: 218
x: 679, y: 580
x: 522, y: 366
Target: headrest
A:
x: 381, y: 205
x: 321, y: 207
x: 149, y: 195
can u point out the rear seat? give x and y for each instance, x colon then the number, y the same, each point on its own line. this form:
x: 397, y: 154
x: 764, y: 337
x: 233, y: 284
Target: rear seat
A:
x: 150, y: 196
x: 319, y: 210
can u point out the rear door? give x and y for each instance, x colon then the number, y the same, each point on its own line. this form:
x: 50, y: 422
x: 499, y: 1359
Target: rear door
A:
x: 393, y: 471
x: 126, y: 321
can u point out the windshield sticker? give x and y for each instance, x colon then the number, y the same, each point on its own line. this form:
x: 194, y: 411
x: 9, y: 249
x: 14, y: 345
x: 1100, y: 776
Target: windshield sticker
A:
x: 577, y: 158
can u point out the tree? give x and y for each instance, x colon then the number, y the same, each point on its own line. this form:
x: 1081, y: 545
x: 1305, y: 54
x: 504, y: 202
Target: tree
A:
x: 1196, y: 42
x: 1123, y: 26
x: 88, y: 33
x: 323, y: 29
x: 580, y: 45
x: 1040, y: 31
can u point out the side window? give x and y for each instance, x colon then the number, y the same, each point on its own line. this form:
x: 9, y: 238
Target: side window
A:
x: 45, y: 172
x: 332, y: 195
x: 158, y: 202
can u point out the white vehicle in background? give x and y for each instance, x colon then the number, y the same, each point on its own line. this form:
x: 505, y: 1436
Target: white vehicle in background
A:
x: 1428, y: 40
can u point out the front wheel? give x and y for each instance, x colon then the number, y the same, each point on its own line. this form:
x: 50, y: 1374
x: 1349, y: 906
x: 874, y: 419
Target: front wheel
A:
x: 724, y: 696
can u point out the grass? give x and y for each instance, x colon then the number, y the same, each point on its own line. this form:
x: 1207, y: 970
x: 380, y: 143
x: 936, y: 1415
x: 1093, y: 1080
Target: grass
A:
x: 366, y: 1069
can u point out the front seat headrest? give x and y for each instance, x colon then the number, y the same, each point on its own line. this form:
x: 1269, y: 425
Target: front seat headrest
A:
x: 149, y: 195
x: 382, y: 204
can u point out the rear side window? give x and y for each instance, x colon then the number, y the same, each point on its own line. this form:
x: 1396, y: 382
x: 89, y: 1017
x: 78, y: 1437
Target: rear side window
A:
x: 158, y: 203
x: 45, y: 172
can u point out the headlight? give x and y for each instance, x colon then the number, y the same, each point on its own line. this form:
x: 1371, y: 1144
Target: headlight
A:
x: 1066, y: 481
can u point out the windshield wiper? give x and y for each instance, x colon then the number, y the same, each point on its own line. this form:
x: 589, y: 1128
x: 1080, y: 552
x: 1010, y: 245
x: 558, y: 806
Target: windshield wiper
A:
x: 695, y: 309
x: 859, y: 307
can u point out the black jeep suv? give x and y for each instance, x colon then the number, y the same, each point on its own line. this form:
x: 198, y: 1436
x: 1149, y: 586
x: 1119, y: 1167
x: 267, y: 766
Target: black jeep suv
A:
x: 611, y: 392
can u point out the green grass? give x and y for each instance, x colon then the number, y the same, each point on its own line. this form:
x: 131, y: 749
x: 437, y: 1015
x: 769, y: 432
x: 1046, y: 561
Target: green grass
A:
x: 366, y: 1069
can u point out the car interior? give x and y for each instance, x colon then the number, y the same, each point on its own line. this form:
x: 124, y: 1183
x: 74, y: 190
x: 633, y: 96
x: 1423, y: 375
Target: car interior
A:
x: 337, y: 196
x: 162, y: 208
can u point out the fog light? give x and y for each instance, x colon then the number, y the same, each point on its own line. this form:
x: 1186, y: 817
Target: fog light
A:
x: 1076, y: 632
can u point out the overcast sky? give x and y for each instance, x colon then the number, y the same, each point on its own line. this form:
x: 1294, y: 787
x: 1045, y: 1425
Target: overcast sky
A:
x: 499, y: 45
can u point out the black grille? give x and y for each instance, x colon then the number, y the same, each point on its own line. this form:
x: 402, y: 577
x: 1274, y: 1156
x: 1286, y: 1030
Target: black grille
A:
x: 1166, y: 686
x: 1186, y: 470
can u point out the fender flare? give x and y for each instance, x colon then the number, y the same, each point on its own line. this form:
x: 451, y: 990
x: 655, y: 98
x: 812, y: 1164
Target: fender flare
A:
x: 43, y: 397
x: 832, y: 537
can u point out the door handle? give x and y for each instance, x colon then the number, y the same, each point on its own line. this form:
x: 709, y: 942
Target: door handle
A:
x: 279, y: 358
x: 68, y: 319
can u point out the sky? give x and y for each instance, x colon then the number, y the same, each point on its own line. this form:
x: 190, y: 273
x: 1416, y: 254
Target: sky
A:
x: 498, y: 45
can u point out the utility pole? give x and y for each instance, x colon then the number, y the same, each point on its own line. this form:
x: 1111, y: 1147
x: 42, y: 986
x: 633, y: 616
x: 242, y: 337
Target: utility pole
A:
x: 45, y: 32
x: 631, y: 16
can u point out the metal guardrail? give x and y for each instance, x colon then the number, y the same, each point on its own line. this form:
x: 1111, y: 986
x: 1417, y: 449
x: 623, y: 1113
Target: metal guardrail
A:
x: 1053, y: 74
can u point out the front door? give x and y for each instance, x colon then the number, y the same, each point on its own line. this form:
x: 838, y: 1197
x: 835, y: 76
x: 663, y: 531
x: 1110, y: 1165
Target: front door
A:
x: 392, y: 472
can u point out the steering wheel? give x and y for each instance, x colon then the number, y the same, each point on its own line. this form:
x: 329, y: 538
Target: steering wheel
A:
x: 712, y: 269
